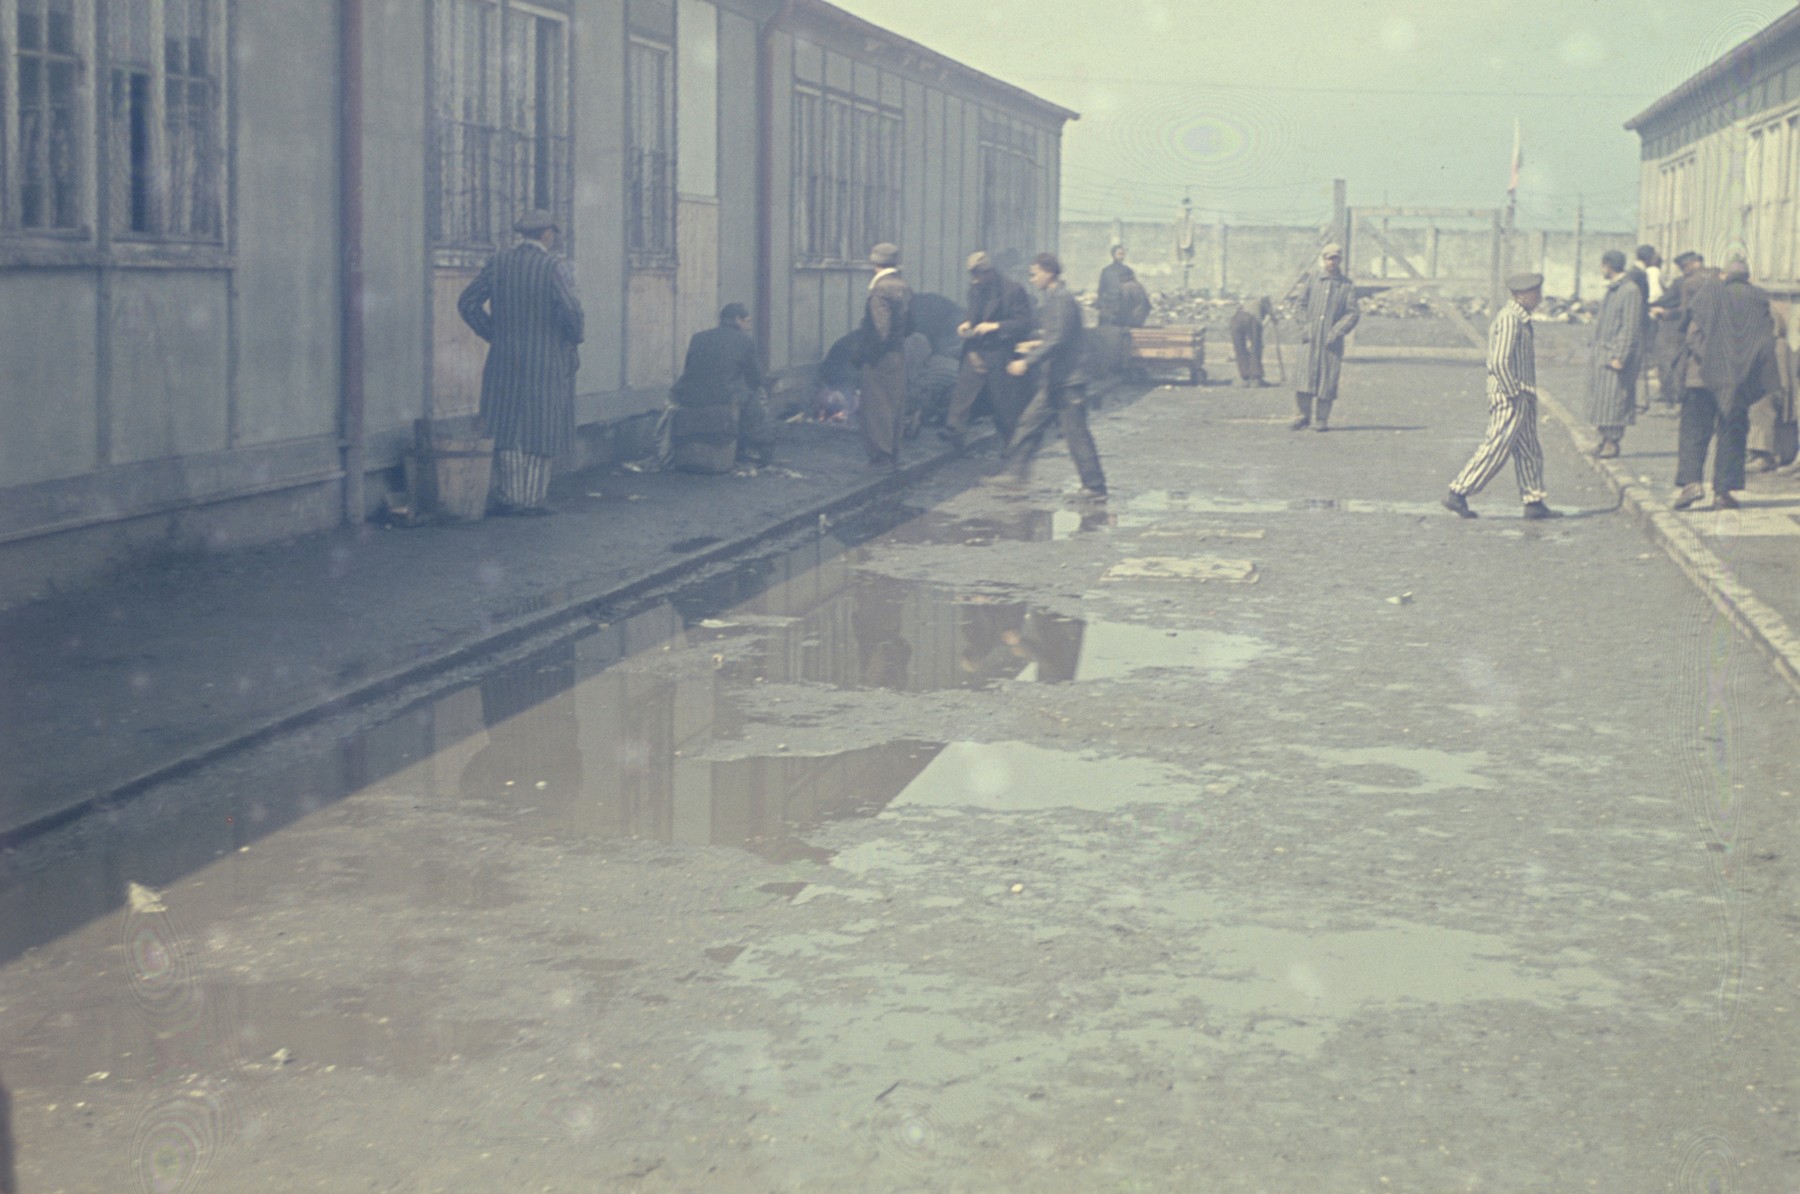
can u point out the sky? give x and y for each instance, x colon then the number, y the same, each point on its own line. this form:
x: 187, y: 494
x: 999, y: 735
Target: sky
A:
x: 1254, y: 106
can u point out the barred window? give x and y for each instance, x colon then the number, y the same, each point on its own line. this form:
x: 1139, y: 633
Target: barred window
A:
x: 162, y: 120
x: 1770, y: 164
x: 650, y: 181
x: 500, y: 142
x: 43, y: 151
x: 847, y: 190
x: 1011, y: 179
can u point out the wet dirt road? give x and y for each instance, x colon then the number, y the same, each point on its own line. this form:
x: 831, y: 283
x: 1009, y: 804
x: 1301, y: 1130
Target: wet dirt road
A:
x: 1270, y: 830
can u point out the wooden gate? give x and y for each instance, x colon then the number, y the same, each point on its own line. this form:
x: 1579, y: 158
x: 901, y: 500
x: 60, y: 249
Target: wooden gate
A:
x: 1379, y: 256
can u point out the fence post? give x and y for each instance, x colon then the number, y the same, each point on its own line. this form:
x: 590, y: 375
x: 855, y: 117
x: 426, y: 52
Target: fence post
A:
x: 1580, y: 212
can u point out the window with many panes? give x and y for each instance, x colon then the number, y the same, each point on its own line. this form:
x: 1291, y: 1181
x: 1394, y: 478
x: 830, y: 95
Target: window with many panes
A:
x: 141, y: 91
x: 650, y: 168
x: 1011, y: 180
x: 1770, y: 164
x: 500, y: 129
x: 847, y: 156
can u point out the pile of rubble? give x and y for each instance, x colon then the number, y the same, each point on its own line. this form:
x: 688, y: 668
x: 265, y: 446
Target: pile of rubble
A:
x: 1172, y: 308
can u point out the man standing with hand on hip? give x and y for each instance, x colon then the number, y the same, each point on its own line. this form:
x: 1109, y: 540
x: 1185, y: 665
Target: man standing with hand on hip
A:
x: 1512, y: 407
x: 523, y: 304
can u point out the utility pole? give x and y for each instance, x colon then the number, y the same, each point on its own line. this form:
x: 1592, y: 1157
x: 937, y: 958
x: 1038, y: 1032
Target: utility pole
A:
x: 1580, y: 211
x: 1340, y: 210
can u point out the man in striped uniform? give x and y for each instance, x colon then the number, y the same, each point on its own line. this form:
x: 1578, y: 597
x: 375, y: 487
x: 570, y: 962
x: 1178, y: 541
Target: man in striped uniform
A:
x: 523, y: 304
x: 1512, y: 407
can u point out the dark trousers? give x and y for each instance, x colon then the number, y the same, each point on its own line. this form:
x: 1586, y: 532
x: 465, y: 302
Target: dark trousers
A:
x: 1069, y: 405
x: 1003, y: 393
x: 1702, y: 414
x: 1247, y: 345
x: 882, y: 409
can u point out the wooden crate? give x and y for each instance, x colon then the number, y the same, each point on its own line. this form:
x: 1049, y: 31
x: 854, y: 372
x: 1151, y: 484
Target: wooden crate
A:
x: 1181, y: 346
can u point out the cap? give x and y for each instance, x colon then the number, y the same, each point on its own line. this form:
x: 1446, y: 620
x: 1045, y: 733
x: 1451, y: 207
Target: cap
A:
x: 1520, y: 283
x: 534, y: 222
x: 980, y: 260
x: 884, y: 255
x: 1331, y: 249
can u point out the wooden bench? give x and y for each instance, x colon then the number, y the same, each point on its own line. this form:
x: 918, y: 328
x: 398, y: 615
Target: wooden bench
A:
x: 1183, y: 346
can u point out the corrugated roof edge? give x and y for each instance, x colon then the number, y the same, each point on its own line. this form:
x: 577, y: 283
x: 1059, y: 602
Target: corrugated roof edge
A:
x: 851, y: 23
x: 1782, y: 26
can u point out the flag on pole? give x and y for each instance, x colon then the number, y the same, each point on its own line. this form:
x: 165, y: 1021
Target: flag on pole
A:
x: 1512, y: 185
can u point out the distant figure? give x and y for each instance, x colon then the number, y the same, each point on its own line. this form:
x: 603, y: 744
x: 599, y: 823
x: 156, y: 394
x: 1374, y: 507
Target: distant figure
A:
x: 523, y: 303
x: 1328, y: 312
x: 1247, y: 339
x: 1512, y: 407
x: 881, y: 352
x: 1112, y: 282
x: 716, y: 414
x: 1646, y: 270
x: 998, y: 317
x: 1617, y: 350
x: 1061, y: 385
x: 1731, y: 339
x: 1671, y: 312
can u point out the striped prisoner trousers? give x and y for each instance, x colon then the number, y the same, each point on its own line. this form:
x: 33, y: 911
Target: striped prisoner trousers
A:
x: 1511, y: 431
x: 521, y: 480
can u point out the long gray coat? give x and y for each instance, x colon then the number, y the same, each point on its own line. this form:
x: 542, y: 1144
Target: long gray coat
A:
x: 523, y: 304
x: 1328, y: 312
x: 1618, y: 335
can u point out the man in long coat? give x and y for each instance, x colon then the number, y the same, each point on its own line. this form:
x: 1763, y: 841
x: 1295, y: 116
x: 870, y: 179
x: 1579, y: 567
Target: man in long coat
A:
x: 1110, y: 299
x: 1617, y: 355
x: 1328, y: 312
x: 1512, y: 407
x: 998, y: 317
x: 1670, y: 312
x: 887, y: 321
x: 1731, y: 338
x: 523, y: 303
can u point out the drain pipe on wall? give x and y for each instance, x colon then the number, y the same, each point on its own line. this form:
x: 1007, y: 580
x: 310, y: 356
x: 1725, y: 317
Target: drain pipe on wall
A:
x: 350, y: 265
x: 765, y: 177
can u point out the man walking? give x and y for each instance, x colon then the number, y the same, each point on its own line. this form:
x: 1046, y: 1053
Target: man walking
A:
x: 1110, y: 301
x: 1328, y: 312
x: 1512, y: 407
x: 1247, y: 339
x: 716, y: 414
x: 997, y: 318
x: 1731, y: 341
x: 523, y: 303
x: 881, y: 349
x: 1061, y: 385
x: 1618, y: 346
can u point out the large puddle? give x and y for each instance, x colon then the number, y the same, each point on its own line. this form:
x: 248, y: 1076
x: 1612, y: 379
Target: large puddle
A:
x: 607, y: 734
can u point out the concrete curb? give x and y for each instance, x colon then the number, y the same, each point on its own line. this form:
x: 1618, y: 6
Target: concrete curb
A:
x: 497, y: 638
x: 1758, y: 621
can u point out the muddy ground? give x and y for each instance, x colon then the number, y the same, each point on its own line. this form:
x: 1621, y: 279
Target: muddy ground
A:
x: 1267, y: 830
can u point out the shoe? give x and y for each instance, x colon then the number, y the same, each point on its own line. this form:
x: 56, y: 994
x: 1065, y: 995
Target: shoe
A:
x: 1321, y: 425
x: 1300, y: 424
x: 1608, y: 450
x: 1760, y: 462
x: 1091, y: 495
x: 1458, y: 505
x: 1724, y: 501
x: 1536, y: 511
x: 1686, y: 496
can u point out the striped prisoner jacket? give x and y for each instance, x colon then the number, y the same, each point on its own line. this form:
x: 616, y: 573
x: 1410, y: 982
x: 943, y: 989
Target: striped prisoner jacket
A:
x: 523, y: 304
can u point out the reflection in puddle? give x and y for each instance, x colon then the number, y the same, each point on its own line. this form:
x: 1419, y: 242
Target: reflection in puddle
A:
x: 1012, y: 776
x: 1113, y: 649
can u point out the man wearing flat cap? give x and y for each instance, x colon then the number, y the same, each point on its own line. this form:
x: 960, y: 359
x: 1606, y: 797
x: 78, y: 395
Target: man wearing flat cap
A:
x: 881, y: 349
x: 1512, y: 407
x: 1328, y: 312
x: 523, y: 303
x: 1617, y: 352
x: 998, y: 317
